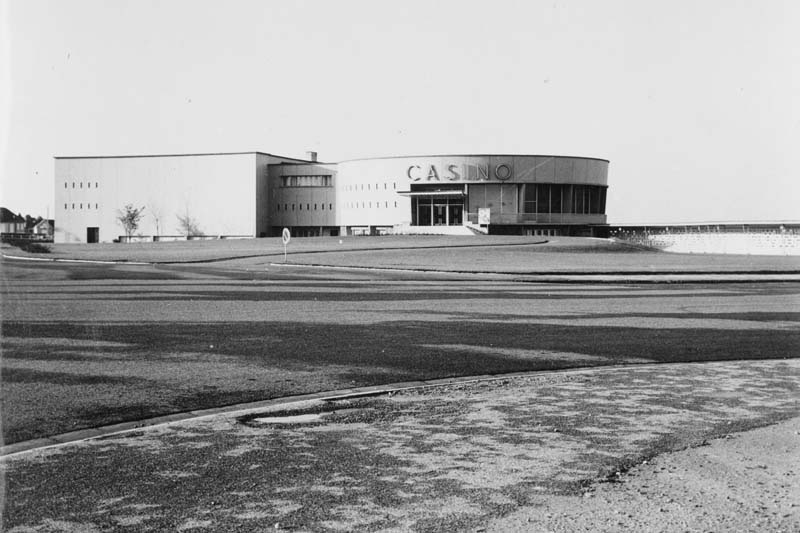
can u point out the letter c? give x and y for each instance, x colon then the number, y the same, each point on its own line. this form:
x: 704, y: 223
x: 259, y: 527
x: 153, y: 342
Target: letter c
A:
x: 408, y: 173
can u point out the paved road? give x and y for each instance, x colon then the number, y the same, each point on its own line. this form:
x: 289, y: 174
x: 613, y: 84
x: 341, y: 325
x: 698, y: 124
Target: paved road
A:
x: 514, y: 454
x: 85, y: 345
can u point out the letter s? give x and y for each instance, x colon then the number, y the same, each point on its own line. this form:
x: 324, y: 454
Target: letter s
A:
x: 454, y: 175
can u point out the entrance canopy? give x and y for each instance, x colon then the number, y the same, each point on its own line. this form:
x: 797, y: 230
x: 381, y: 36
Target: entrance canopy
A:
x: 441, y: 194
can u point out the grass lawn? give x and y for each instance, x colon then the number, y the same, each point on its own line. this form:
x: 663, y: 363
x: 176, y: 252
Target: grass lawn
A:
x: 455, y: 254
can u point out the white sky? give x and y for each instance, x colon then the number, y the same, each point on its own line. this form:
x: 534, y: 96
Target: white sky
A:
x: 695, y: 103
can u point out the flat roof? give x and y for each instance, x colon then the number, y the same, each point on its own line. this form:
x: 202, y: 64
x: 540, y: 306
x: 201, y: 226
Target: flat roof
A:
x: 179, y: 155
x: 476, y: 155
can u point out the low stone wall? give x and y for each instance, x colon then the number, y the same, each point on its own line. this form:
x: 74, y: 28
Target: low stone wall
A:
x: 764, y: 243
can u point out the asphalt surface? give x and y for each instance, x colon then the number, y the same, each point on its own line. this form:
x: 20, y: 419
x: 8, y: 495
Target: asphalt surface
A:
x: 530, y: 453
x: 90, y: 345
x: 86, y: 345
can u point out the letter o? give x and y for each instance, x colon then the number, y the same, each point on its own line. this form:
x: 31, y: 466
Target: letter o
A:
x: 504, y: 174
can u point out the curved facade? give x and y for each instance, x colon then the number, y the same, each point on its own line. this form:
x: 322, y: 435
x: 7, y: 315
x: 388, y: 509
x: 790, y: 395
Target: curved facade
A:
x: 256, y: 194
x: 507, y: 193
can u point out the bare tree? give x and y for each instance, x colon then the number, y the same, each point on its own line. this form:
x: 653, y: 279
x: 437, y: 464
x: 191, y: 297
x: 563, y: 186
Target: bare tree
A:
x: 155, y: 212
x: 129, y: 218
x: 188, y: 225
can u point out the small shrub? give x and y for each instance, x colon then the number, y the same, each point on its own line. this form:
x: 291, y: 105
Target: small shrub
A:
x: 29, y: 246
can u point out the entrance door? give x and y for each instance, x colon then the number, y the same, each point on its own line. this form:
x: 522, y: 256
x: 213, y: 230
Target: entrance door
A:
x: 424, y: 213
x: 92, y: 235
x: 440, y: 214
x: 455, y: 212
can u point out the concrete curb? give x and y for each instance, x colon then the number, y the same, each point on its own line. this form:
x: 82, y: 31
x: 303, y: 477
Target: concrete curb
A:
x: 64, y: 439
x: 62, y: 260
x: 72, y: 437
x: 584, y: 277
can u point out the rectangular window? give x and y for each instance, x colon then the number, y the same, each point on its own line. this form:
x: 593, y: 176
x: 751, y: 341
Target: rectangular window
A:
x: 292, y: 207
x: 65, y: 206
x: 95, y: 206
x: 555, y: 198
x: 301, y: 207
x: 323, y: 207
x: 95, y: 185
x: 543, y: 198
x: 307, y: 181
x: 73, y: 184
x: 81, y: 206
x: 395, y: 204
x: 65, y: 184
x: 529, y: 199
x: 81, y: 185
x: 330, y: 206
x: 285, y: 207
x: 73, y: 206
x: 308, y: 207
x: 315, y: 207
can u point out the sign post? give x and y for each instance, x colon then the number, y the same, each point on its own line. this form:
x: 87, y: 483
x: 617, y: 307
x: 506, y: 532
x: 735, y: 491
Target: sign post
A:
x: 286, y: 236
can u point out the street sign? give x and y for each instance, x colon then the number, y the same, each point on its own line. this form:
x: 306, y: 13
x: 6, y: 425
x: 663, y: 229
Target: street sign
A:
x: 286, y: 236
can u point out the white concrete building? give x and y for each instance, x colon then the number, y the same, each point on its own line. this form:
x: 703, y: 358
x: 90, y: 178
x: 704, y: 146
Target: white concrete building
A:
x: 256, y: 194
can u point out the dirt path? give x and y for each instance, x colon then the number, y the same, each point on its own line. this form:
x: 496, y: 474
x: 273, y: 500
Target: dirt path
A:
x: 745, y: 482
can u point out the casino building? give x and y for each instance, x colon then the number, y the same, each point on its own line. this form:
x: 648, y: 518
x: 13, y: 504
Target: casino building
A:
x: 255, y: 194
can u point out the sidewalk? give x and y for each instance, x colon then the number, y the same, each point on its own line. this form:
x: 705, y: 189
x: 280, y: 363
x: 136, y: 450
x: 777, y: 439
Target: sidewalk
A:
x: 518, y: 452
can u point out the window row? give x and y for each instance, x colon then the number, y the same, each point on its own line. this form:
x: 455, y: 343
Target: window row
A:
x: 367, y: 205
x: 80, y: 185
x: 308, y: 207
x: 306, y: 181
x: 360, y: 187
x: 80, y: 206
x: 556, y: 198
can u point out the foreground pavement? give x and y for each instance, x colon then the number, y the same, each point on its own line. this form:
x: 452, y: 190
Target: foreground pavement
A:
x: 584, y: 449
